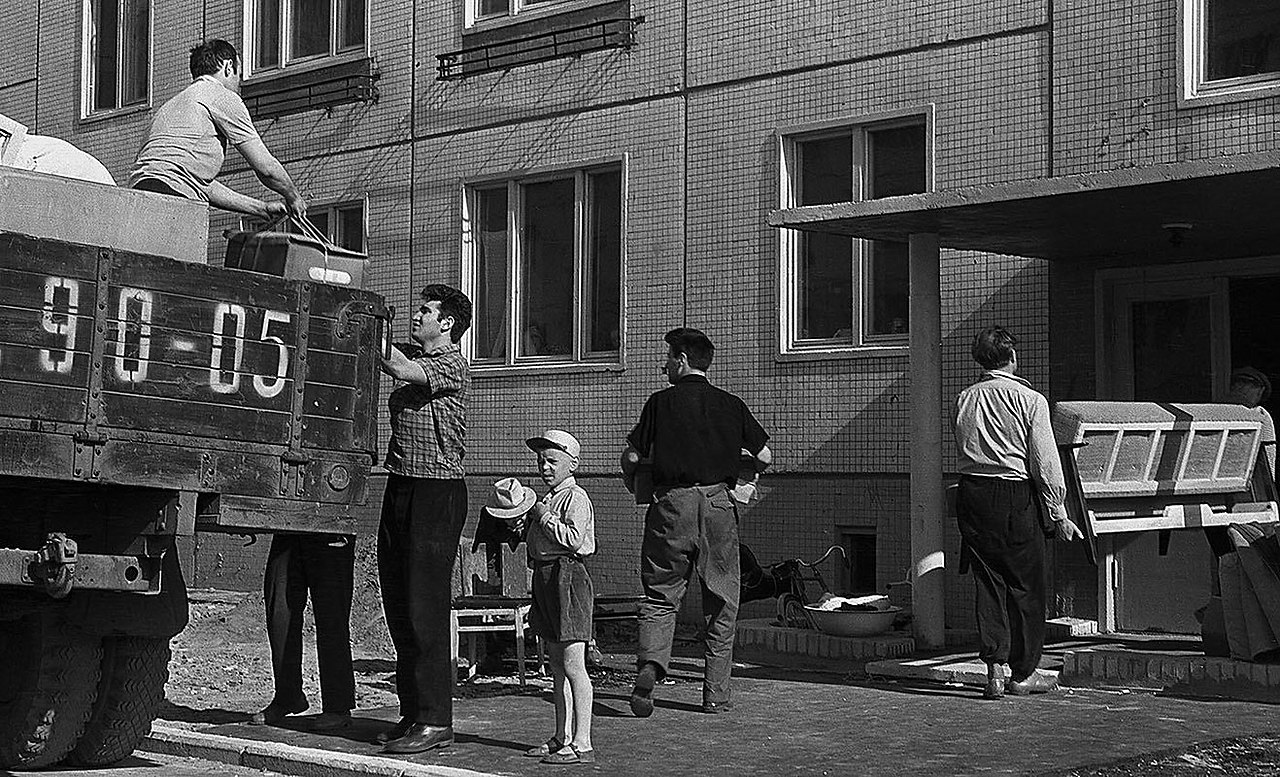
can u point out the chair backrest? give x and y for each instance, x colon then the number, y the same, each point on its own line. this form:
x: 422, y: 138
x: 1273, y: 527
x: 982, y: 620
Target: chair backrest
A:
x: 493, y: 569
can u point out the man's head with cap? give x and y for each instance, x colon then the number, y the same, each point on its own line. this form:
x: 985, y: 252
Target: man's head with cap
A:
x: 557, y: 455
x: 1249, y: 386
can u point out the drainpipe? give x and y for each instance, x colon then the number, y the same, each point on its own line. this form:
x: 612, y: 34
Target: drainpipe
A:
x: 927, y: 506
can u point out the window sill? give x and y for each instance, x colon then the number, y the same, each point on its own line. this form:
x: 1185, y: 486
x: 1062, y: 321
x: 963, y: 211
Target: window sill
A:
x: 569, y: 30
x: 115, y: 113
x: 1233, y: 94
x: 319, y: 63
x: 845, y: 352
x: 509, y: 370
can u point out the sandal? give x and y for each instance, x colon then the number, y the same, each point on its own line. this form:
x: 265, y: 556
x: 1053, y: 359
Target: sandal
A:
x: 545, y: 749
x: 570, y: 755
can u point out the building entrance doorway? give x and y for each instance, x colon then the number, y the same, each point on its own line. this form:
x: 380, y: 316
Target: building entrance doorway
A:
x: 1173, y: 334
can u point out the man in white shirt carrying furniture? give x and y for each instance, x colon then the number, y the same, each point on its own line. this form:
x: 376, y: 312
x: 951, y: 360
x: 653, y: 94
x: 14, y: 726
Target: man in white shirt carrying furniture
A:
x: 1008, y: 465
x: 187, y: 143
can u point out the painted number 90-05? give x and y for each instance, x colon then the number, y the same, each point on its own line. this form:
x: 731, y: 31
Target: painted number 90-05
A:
x: 130, y: 354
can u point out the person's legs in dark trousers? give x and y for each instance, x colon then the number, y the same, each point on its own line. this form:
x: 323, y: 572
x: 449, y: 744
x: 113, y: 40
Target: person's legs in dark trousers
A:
x: 719, y: 570
x: 393, y: 536
x: 329, y: 562
x: 667, y: 556
x: 284, y: 591
x: 999, y: 523
x: 417, y: 545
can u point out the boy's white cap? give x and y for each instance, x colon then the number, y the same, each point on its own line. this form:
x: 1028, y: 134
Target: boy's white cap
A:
x: 555, y: 438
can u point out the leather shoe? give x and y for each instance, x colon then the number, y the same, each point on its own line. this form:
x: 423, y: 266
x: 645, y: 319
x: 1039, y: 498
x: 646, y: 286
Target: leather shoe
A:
x: 716, y: 707
x: 994, y: 688
x: 331, y: 721
x: 642, y: 693
x: 275, y: 712
x: 420, y: 738
x: 1035, y: 683
x: 395, y: 732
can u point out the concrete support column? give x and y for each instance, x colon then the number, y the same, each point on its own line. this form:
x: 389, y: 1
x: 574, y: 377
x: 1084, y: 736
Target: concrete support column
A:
x: 927, y: 504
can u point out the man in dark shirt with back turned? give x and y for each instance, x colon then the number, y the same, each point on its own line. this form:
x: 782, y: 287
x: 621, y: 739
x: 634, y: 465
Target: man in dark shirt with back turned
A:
x: 695, y: 434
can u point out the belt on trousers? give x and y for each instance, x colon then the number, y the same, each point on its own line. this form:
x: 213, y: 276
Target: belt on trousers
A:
x: 557, y: 559
x: 707, y: 490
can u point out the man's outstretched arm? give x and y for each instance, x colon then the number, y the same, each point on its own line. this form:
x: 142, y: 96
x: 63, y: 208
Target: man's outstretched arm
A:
x: 273, y: 175
x: 228, y: 199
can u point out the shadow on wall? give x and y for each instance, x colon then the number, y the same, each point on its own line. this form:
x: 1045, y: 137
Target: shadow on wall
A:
x: 856, y: 479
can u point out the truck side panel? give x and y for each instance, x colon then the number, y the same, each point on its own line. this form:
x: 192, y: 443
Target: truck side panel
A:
x: 138, y: 370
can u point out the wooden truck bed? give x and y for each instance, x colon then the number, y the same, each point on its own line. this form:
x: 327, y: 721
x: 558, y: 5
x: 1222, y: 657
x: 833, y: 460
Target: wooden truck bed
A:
x: 257, y: 393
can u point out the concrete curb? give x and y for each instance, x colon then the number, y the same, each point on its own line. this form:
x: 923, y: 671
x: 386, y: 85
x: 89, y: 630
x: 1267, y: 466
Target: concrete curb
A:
x: 287, y: 759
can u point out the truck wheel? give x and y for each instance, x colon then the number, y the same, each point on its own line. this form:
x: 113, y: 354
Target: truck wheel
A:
x: 47, y: 687
x: 134, y: 671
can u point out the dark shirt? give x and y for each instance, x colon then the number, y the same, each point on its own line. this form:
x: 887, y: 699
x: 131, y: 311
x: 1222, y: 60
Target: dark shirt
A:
x: 695, y: 434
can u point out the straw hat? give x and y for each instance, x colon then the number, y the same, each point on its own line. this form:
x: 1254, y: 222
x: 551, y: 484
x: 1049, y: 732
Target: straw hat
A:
x: 510, y: 499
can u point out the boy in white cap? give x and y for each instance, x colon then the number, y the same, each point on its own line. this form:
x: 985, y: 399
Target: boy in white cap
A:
x: 561, y: 535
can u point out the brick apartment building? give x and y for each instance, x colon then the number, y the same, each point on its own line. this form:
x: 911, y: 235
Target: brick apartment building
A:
x: 594, y: 173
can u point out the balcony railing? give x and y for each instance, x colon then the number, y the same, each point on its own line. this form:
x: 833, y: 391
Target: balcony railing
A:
x: 617, y: 33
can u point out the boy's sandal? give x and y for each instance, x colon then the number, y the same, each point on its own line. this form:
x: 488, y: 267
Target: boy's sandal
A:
x: 545, y: 749
x: 570, y: 755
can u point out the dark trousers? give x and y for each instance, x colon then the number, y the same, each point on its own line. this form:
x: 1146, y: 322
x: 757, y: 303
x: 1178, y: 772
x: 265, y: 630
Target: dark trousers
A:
x: 691, y: 529
x: 321, y: 564
x: 1000, y: 528
x: 157, y: 186
x: 417, y: 545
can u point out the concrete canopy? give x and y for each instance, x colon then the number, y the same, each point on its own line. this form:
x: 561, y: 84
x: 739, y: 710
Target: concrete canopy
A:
x: 1229, y: 203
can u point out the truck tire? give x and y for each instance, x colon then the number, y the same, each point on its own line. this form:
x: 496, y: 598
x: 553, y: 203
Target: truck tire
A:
x: 47, y: 686
x: 134, y: 671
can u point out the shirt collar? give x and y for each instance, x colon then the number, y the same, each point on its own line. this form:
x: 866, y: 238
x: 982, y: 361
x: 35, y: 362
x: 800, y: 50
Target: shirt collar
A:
x: 210, y: 79
x: 442, y: 350
x: 565, y: 484
x: 992, y: 374
x: 693, y: 378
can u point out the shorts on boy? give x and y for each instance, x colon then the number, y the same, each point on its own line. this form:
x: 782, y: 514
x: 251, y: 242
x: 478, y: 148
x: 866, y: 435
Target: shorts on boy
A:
x: 563, y: 598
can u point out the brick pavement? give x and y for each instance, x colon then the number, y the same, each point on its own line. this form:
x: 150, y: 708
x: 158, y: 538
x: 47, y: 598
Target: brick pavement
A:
x: 794, y: 722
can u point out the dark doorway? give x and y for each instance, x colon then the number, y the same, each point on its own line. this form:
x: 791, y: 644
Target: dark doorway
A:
x: 1255, y: 329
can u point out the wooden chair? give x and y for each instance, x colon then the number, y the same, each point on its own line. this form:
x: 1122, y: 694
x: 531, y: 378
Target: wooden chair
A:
x: 493, y: 602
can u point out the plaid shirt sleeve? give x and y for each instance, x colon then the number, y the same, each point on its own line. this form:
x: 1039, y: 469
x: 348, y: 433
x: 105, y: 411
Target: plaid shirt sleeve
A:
x: 446, y: 374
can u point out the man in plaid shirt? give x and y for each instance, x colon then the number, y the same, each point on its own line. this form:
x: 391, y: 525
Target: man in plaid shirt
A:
x: 423, y: 510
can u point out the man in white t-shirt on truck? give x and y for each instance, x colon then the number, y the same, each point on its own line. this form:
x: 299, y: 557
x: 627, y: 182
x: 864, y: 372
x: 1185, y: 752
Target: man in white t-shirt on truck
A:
x: 188, y: 141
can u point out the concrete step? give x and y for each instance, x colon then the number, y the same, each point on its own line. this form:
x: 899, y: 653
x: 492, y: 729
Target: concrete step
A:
x: 759, y: 636
x: 1181, y: 673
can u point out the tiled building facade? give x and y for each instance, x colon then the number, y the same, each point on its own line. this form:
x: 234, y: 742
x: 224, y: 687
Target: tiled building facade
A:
x: 697, y: 116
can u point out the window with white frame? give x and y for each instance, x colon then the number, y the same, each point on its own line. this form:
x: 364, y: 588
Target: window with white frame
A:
x: 544, y: 268
x: 489, y: 10
x: 282, y: 33
x: 342, y: 223
x: 840, y: 292
x: 117, y: 54
x: 1230, y: 47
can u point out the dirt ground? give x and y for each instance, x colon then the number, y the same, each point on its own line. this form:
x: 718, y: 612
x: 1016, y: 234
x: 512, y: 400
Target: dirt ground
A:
x: 221, y: 666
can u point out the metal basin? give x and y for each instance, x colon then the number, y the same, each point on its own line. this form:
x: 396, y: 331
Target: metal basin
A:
x: 852, y: 623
